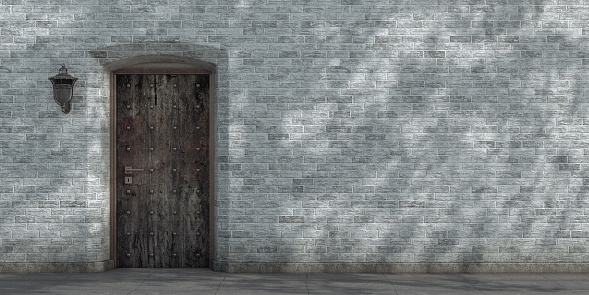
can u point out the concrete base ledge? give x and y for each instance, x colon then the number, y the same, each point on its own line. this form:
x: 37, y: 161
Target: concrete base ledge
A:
x: 401, y: 267
x: 234, y: 267
x: 56, y: 267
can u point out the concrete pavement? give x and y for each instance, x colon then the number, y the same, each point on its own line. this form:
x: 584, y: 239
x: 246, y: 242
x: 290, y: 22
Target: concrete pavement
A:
x: 207, y: 282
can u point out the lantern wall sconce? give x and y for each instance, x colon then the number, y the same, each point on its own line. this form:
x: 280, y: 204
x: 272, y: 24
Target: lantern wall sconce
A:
x: 63, y: 89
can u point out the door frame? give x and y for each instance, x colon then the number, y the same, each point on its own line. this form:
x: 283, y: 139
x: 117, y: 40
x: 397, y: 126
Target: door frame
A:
x: 159, y: 67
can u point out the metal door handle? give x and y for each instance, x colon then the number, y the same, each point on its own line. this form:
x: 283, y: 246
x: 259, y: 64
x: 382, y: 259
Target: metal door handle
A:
x: 129, y: 170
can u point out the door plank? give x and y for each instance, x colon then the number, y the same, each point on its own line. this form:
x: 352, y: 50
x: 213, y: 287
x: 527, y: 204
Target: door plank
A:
x: 192, y: 109
x: 163, y: 158
x: 131, y: 210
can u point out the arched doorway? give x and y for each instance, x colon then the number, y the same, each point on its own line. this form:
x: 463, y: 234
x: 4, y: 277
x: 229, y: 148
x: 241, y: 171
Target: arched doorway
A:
x: 161, y: 163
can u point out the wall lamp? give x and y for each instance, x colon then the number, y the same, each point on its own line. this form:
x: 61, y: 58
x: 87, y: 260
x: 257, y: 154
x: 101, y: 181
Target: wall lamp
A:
x: 63, y: 89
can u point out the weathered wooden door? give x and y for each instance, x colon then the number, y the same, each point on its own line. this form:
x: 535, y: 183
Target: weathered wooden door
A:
x: 162, y: 175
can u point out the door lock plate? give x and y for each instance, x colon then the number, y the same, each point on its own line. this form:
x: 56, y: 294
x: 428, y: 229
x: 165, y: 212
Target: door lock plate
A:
x: 128, y: 180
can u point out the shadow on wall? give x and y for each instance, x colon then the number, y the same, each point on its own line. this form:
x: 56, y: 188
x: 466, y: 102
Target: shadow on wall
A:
x: 51, y: 170
x: 500, y: 123
x: 502, y: 164
x: 425, y: 141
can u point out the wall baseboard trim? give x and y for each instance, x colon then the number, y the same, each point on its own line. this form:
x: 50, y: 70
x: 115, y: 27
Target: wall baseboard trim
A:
x: 56, y: 267
x: 268, y: 267
x: 401, y: 267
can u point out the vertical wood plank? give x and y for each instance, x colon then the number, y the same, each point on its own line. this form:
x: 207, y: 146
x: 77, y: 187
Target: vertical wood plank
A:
x: 164, y: 159
x: 132, y: 116
x: 176, y: 236
x: 193, y: 103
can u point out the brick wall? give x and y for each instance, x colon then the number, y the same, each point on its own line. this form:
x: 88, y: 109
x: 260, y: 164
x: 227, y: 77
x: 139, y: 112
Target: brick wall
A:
x: 346, y: 131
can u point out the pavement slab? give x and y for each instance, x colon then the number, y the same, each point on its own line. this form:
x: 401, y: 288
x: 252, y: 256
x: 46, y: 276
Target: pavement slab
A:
x: 207, y: 282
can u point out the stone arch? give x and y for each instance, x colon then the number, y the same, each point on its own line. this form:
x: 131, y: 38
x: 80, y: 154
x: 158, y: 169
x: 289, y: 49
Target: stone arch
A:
x: 156, y: 62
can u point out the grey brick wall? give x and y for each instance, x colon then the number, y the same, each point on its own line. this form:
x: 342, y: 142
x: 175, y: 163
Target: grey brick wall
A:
x: 346, y: 130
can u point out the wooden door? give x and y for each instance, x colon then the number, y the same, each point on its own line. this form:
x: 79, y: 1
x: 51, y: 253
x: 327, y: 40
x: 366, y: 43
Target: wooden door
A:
x: 162, y: 173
